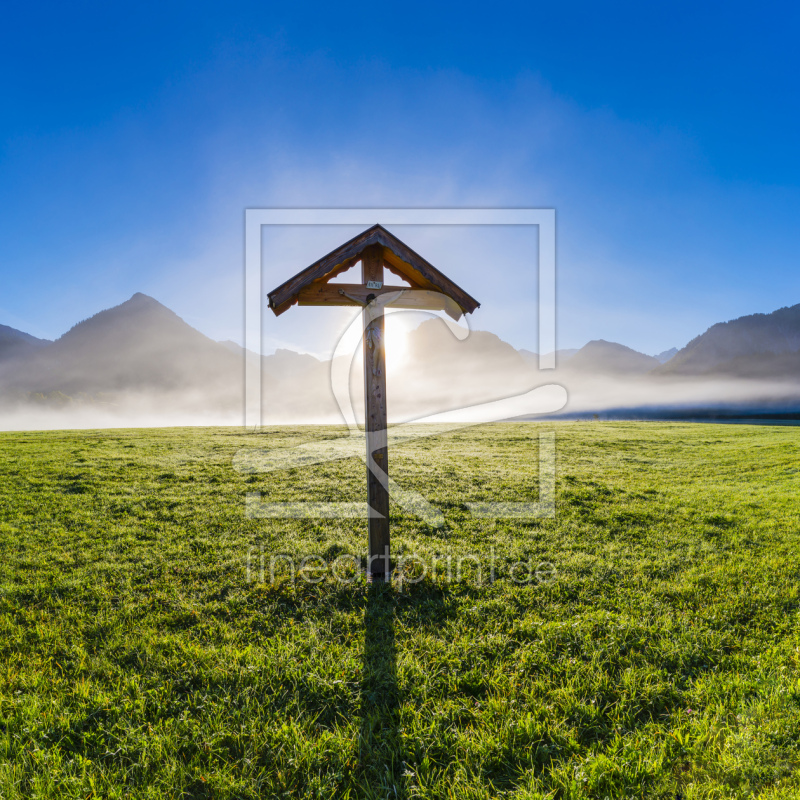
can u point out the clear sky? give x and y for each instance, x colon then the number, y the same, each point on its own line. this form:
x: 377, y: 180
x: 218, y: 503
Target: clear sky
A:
x: 664, y: 134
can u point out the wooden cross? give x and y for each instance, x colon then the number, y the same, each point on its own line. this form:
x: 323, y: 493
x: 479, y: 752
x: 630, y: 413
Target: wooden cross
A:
x: 376, y: 249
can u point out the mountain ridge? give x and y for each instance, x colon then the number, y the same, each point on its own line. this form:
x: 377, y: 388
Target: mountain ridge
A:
x: 137, y: 345
x: 729, y: 347
x: 610, y: 358
x: 15, y: 343
x: 141, y: 346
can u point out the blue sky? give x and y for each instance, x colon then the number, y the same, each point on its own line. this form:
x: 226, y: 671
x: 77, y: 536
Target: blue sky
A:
x: 665, y: 135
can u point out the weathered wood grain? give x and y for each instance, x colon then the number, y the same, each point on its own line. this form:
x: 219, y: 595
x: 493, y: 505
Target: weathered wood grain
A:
x: 379, y: 565
x: 400, y: 258
x: 280, y: 301
x: 377, y: 249
x: 330, y: 294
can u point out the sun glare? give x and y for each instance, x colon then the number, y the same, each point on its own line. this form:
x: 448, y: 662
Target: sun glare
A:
x: 397, y: 328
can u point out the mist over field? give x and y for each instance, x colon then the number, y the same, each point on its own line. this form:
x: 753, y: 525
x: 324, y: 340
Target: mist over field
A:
x: 140, y: 365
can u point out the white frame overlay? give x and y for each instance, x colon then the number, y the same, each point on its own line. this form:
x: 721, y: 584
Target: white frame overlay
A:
x: 255, y: 218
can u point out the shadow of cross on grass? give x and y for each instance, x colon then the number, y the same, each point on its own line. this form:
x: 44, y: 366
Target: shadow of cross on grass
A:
x: 380, y: 742
x: 387, y: 761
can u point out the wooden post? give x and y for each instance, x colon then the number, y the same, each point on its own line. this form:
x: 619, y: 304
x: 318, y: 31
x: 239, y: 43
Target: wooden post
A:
x: 376, y: 248
x: 378, y: 564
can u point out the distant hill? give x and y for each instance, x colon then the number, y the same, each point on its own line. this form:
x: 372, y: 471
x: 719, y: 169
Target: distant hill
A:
x: 139, y: 345
x: 443, y: 373
x: 600, y: 357
x: 14, y: 343
x: 666, y: 355
x: 758, y: 345
x: 283, y: 363
x: 562, y: 356
x: 141, y: 355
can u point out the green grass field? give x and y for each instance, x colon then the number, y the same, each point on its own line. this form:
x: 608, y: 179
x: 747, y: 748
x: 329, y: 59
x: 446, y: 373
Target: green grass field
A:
x: 659, y: 660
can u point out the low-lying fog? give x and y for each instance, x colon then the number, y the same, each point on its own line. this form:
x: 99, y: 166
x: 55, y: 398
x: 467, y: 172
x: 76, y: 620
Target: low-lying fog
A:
x: 431, y: 376
x: 139, y: 364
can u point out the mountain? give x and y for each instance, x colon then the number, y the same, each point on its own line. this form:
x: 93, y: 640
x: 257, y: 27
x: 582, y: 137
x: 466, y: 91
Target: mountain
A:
x: 140, y: 357
x: 562, y: 356
x: 758, y: 345
x: 14, y: 343
x: 441, y: 372
x: 138, y: 346
x: 283, y: 363
x: 600, y: 357
x: 235, y: 348
x: 666, y: 355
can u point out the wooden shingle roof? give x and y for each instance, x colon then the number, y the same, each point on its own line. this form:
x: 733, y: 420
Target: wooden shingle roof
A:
x: 398, y: 258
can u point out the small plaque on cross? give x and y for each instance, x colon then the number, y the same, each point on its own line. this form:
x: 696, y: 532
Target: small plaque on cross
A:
x: 374, y: 284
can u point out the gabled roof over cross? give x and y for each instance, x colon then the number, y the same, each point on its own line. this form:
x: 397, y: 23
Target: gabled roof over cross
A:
x: 311, y: 287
